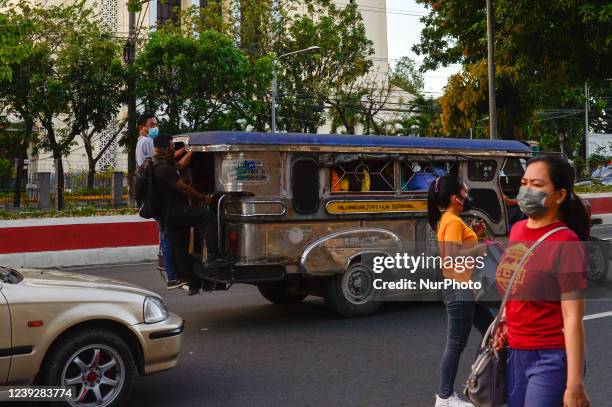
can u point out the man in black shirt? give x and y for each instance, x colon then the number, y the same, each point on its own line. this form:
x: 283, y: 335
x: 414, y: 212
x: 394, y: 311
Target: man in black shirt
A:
x: 177, y: 216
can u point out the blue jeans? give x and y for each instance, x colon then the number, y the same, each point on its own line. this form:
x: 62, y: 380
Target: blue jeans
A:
x: 536, y: 378
x: 168, y: 258
x: 461, y: 315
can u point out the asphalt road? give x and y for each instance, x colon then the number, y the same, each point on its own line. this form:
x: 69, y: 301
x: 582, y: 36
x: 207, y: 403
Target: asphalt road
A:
x: 239, y: 350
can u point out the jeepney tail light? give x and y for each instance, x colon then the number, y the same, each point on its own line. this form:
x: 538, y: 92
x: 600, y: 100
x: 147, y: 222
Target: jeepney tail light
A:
x: 232, y: 241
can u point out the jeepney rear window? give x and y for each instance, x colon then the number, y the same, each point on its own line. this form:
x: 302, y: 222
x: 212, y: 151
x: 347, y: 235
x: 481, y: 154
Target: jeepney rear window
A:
x: 481, y: 170
x: 417, y: 175
x: 511, y: 174
x: 363, y: 175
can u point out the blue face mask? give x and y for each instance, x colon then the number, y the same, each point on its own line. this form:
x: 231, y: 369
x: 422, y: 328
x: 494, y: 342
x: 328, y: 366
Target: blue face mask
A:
x: 154, y: 132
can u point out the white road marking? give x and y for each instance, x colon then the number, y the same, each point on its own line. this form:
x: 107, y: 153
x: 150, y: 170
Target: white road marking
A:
x: 599, y: 315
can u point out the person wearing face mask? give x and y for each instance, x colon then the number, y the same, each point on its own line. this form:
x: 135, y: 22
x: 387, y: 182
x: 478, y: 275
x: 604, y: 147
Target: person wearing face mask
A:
x: 447, y: 199
x: 543, y: 318
x: 147, y: 131
x: 178, y: 214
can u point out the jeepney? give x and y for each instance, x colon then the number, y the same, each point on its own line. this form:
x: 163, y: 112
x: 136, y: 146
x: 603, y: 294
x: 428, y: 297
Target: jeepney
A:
x: 299, y: 212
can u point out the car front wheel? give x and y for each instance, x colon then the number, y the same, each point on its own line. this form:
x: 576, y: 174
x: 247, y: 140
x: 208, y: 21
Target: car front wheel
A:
x: 96, y: 364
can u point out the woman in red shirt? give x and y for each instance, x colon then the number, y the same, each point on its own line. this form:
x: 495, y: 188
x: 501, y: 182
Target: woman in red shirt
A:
x: 543, y: 319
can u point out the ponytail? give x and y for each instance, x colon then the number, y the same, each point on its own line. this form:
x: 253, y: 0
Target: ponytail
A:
x: 576, y: 216
x: 439, y: 196
x: 572, y: 210
x: 433, y: 212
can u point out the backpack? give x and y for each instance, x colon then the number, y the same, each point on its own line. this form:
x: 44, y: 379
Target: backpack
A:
x: 144, y: 190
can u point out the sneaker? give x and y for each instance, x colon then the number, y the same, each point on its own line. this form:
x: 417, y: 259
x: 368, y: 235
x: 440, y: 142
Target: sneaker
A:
x: 193, y: 291
x: 452, y: 401
x: 172, y: 284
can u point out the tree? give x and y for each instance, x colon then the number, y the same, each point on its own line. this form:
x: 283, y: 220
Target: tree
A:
x: 25, y: 72
x: 406, y: 76
x: 328, y: 75
x: 94, y: 79
x: 419, y: 117
x: 198, y: 82
x: 116, y: 128
x: 544, y: 47
x: 71, y: 80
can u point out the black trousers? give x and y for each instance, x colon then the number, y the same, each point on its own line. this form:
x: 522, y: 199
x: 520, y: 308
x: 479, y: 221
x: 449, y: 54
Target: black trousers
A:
x: 179, y: 221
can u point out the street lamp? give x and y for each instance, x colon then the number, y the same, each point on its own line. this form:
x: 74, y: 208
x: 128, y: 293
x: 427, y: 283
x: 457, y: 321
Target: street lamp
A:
x: 275, y: 84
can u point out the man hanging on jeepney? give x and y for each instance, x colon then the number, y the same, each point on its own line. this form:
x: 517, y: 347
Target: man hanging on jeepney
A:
x: 147, y: 132
x: 178, y: 215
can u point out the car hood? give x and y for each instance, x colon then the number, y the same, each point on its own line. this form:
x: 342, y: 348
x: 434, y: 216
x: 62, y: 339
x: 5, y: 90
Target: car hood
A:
x: 57, y: 279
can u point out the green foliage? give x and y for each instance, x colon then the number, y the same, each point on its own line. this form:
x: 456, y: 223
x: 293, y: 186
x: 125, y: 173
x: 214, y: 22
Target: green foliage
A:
x: 598, y: 159
x: 70, y: 79
x: 333, y: 75
x: 406, y: 76
x: 593, y: 188
x: 75, y: 212
x: 543, y: 49
x: 198, y: 82
x: 5, y: 171
x: 419, y: 120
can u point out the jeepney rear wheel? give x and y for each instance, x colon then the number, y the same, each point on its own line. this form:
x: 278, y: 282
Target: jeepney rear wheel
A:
x: 280, y: 293
x: 599, y: 259
x: 351, y: 294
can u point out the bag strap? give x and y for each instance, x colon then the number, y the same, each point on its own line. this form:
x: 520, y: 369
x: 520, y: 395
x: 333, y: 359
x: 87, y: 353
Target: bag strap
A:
x: 520, y: 265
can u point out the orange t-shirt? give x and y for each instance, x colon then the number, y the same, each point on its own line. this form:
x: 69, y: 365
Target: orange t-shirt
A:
x: 451, y: 229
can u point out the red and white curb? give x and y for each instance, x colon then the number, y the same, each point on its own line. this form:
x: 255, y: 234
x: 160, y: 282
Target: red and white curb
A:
x: 63, y: 242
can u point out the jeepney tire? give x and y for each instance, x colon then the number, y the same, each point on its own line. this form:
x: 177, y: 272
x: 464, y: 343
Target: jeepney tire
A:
x: 277, y: 293
x: 338, y: 300
x: 599, y: 259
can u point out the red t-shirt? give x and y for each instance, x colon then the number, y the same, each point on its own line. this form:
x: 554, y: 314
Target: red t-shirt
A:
x: 557, y: 266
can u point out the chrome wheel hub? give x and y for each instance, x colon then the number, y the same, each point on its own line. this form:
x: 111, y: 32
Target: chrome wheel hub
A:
x: 96, y: 373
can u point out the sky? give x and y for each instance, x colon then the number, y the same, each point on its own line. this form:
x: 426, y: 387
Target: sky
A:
x: 403, y: 31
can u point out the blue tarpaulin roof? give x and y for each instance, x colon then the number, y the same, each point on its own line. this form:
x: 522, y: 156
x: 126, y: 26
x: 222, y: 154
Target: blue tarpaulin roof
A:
x: 344, y: 140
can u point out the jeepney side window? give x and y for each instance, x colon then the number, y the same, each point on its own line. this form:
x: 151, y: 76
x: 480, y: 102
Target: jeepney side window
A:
x: 363, y: 175
x: 416, y: 176
x: 305, y: 185
x: 481, y: 170
x: 511, y: 174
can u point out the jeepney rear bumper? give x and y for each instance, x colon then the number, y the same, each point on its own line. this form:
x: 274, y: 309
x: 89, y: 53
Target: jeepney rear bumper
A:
x: 240, y: 273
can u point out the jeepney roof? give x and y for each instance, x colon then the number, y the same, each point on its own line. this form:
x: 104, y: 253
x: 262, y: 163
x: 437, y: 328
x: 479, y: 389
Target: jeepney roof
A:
x: 236, y: 141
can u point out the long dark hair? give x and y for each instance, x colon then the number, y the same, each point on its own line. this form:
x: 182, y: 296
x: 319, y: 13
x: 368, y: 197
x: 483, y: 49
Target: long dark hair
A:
x: 572, y: 209
x: 439, y: 196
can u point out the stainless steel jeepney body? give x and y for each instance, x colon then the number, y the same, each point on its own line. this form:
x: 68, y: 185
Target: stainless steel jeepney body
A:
x: 258, y: 207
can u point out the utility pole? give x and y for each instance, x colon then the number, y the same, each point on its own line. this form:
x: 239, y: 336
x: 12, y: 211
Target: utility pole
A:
x: 491, y: 64
x: 586, y: 123
x: 131, y: 87
x: 274, y: 92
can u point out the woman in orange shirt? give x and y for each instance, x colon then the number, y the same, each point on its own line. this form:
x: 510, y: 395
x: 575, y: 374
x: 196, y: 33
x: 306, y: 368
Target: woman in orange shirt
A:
x: 447, y: 198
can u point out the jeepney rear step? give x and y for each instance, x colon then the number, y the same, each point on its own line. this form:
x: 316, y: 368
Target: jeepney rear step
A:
x: 243, y: 273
